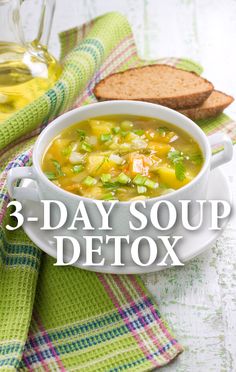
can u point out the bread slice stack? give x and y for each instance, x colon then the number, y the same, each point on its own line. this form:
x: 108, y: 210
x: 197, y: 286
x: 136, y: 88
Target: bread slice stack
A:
x: 211, y: 107
x: 178, y: 89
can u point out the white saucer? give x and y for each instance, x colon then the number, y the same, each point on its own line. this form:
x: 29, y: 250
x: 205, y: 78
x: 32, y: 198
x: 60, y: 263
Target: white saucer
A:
x: 194, y: 243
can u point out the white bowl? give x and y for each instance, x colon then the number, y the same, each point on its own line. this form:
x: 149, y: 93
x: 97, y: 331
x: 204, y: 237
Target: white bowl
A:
x: 195, y: 190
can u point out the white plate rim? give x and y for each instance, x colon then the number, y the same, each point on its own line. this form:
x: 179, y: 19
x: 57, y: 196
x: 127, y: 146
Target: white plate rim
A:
x: 138, y: 269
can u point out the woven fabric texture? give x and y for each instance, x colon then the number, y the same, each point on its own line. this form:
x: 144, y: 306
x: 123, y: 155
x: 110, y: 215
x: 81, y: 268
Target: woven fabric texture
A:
x: 60, y: 318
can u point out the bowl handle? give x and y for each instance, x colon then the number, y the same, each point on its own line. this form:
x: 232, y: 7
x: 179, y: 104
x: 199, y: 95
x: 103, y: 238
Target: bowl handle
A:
x: 223, y: 156
x: 19, y: 192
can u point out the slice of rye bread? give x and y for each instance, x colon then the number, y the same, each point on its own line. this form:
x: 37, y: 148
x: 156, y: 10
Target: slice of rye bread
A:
x: 163, y: 84
x: 213, y: 106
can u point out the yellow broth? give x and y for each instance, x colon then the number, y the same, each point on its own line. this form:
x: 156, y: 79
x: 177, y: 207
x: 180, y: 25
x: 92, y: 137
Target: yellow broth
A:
x: 122, y: 157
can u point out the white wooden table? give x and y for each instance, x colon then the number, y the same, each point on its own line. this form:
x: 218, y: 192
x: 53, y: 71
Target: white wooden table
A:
x: 199, y: 300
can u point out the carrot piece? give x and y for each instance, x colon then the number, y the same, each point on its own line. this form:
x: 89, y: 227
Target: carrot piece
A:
x: 139, y: 164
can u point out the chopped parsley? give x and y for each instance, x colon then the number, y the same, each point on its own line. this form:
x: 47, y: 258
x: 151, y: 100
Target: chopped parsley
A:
x: 57, y: 165
x: 176, y: 157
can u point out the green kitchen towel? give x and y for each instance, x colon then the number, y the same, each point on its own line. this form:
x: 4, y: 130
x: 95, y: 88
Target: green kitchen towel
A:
x: 64, y: 319
x: 60, y: 318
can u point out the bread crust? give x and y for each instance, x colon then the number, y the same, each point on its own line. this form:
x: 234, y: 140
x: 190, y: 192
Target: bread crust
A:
x: 177, y: 102
x: 205, y: 112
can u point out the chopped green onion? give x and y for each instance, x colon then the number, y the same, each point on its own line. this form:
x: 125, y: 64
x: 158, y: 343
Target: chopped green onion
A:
x: 180, y: 170
x: 57, y: 165
x: 123, y: 133
x: 175, y: 156
x: 50, y: 175
x: 66, y: 151
x: 139, y: 180
x: 126, y: 124
x: 109, y: 196
x: 78, y: 168
x: 111, y: 185
x: 139, y: 132
x: 151, y: 184
x: 105, y: 177
x: 177, y: 159
x: 163, y: 130
x: 115, y: 130
x: 81, y: 134
x: 105, y: 137
x: 141, y: 189
x: 89, y: 181
x: 123, y: 178
x: 86, y: 147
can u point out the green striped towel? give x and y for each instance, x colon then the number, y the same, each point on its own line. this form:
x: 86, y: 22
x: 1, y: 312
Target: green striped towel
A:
x: 64, y: 319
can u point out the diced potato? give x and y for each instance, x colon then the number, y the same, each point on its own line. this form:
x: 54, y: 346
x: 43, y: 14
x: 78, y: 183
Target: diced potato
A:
x: 57, y: 149
x: 162, y: 149
x: 98, y: 164
x: 99, y: 127
x: 78, y: 177
x: 138, y: 144
x: 92, y: 140
x: 114, y: 158
x: 122, y: 148
x: 131, y: 136
x: 77, y: 157
x: 114, y: 145
x: 168, y: 177
x: 154, y: 135
x: 107, y: 166
x: 94, y: 161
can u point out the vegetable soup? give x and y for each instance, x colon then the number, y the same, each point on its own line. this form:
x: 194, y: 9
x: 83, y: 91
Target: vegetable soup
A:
x: 122, y: 157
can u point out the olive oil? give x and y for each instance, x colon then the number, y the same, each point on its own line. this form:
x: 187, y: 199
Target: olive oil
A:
x: 25, y: 74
